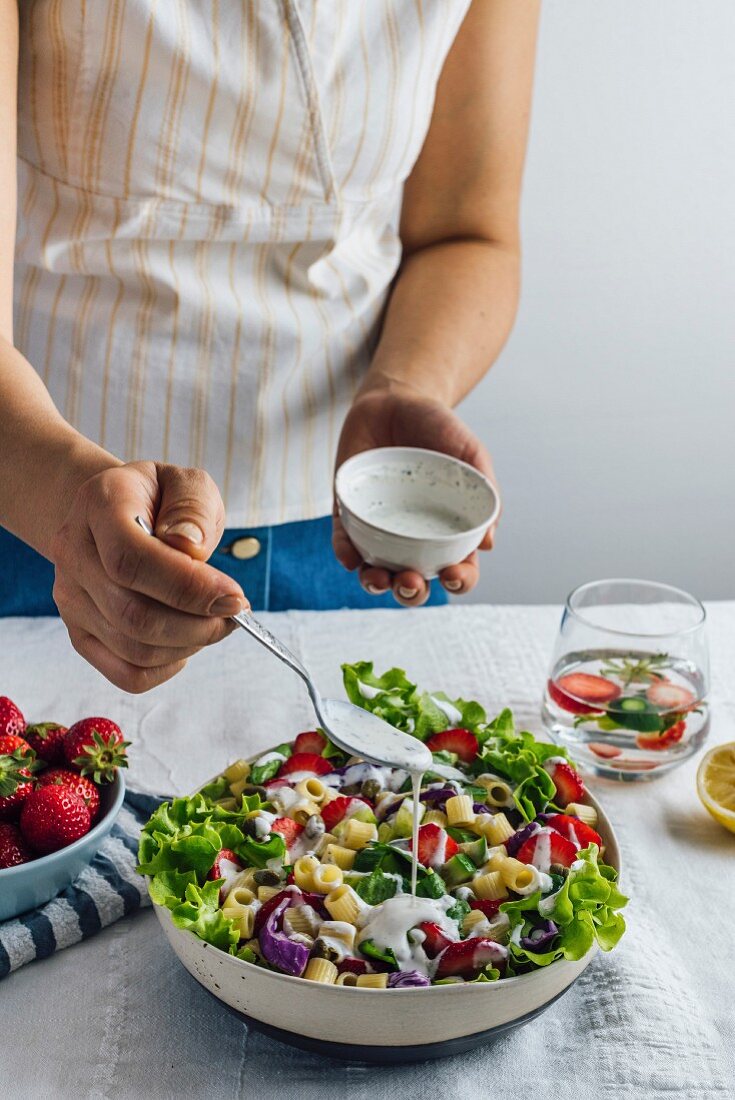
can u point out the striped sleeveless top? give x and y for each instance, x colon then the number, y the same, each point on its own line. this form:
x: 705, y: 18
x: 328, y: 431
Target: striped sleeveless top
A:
x: 208, y: 208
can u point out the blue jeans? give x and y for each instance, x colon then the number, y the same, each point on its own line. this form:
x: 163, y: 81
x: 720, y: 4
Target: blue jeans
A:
x: 292, y: 567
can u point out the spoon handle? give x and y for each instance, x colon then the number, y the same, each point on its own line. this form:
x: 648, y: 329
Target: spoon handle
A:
x: 260, y: 633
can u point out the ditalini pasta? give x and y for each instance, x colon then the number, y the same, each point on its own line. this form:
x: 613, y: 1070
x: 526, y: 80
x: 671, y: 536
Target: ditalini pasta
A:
x: 302, y: 860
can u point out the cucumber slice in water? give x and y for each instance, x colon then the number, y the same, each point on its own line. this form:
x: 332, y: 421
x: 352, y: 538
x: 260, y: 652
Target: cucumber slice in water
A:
x: 633, y: 712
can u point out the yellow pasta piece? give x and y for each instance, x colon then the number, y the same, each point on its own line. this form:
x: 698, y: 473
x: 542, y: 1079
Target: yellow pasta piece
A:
x: 499, y: 793
x: 330, y: 795
x: 339, y: 930
x: 498, y: 829
x: 358, y: 834
x: 475, y: 916
x: 239, y: 895
x: 312, y: 788
x: 459, y: 810
x: 265, y: 893
x: 303, y: 811
x: 326, y: 877
x: 343, y: 857
x: 239, y: 770
x: 245, y: 879
x: 303, y: 870
x: 254, y: 946
x: 516, y: 875
x: 346, y: 978
x: 588, y: 814
x: 239, y: 786
x: 495, y: 858
x: 301, y: 919
x: 321, y: 970
x: 435, y: 817
x: 343, y: 904
x: 323, y: 843
x: 372, y: 981
x: 240, y: 912
x: 489, y: 886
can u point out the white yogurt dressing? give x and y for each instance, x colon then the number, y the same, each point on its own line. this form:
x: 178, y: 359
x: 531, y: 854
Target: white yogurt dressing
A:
x: 448, y: 710
x: 542, y: 851
x: 551, y: 762
x: 268, y: 757
x: 389, y: 923
x: 418, y: 518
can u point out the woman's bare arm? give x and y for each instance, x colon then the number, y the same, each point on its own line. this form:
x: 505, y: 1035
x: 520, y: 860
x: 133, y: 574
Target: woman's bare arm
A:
x: 455, y: 296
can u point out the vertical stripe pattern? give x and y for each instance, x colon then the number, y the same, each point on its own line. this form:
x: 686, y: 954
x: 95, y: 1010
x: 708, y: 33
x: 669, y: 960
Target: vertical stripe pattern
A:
x: 208, y: 210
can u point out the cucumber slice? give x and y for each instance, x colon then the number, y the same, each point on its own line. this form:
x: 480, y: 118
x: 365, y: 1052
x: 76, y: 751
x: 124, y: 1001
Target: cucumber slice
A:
x: 635, y: 713
x: 458, y: 869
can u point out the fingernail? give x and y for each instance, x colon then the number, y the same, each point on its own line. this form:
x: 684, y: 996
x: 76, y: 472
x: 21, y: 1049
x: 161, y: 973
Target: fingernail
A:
x: 453, y: 586
x: 185, y: 530
x: 375, y: 591
x: 407, y: 593
x: 227, y: 605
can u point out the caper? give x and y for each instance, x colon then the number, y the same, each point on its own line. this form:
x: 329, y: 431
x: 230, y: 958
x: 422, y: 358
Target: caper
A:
x: 249, y: 828
x: 322, y: 950
x: 370, y: 789
x: 255, y: 788
x: 558, y: 869
x: 353, y: 788
x: 266, y: 878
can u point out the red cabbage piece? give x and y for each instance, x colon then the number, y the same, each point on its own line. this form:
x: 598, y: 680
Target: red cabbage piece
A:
x: 539, y: 940
x: 406, y: 979
x: 286, y: 955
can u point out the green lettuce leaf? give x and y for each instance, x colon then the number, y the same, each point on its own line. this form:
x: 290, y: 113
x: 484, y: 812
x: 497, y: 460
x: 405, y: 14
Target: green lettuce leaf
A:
x: 376, y: 888
x: 200, y: 913
x: 584, y: 909
x: 261, y: 773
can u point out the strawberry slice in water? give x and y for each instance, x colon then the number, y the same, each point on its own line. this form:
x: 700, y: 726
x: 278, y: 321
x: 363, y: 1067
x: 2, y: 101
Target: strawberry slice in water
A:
x: 670, y: 697
x: 580, y: 692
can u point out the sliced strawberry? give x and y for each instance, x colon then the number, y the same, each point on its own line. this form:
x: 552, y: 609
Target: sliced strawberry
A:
x: 489, y: 908
x: 311, y: 741
x: 579, y: 692
x: 546, y: 847
x: 341, y: 807
x: 606, y: 752
x: 467, y: 958
x: 435, y: 846
x: 670, y: 696
x: 459, y: 741
x: 663, y: 740
x: 580, y: 834
x: 569, y: 786
x: 226, y: 865
x: 289, y: 829
x: 304, y: 762
x: 434, y: 940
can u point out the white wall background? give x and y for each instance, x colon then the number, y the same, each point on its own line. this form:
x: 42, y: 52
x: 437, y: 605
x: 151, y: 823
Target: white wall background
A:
x: 611, y: 412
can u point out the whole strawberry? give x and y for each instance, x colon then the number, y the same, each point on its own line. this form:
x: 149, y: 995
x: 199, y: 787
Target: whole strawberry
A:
x: 46, y: 738
x: 13, y: 848
x: 15, y: 781
x: 96, y: 747
x: 53, y: 817
x: 11, y: 719
x: 11, y: 742
x: 80, y: 784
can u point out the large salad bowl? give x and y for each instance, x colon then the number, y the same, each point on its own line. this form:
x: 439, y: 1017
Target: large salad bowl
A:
x: 374, y: 1025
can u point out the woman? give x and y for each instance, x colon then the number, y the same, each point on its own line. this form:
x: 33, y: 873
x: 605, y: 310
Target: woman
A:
x: 251, y: 238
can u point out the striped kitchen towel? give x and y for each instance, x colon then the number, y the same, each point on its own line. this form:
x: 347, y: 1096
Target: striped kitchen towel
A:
x: 106, y: 890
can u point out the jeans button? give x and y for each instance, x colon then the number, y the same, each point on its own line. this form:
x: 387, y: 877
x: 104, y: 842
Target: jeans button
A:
x: 246, y: 548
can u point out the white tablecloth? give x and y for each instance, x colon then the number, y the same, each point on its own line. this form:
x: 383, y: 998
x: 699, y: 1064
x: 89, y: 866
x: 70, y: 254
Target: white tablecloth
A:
x: 118, y: 1017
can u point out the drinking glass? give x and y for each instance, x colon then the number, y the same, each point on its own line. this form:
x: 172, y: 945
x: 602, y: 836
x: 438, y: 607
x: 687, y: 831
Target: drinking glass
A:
x: 629, y: 678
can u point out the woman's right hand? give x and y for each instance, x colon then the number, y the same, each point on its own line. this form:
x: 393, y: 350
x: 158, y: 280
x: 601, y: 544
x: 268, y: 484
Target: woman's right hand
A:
x: 136, y: 607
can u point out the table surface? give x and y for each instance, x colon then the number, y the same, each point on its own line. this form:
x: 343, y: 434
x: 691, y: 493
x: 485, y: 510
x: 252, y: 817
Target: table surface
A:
x: 118, y: 1016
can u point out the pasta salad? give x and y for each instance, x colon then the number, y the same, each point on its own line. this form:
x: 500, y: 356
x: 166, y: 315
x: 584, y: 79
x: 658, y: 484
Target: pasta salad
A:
x: 301, y: 862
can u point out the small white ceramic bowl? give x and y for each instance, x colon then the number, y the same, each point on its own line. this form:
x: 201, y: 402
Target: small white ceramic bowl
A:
x: 376, y: 1025
x: 410, y: 508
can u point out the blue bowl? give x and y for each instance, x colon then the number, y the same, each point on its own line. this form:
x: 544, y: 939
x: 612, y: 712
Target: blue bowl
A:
x: 31, y: 884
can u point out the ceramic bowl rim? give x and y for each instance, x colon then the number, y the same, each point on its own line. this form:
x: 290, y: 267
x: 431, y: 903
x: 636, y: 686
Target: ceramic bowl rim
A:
x: 42, y: 862
x: 435, y: 989
x: 441, y: 540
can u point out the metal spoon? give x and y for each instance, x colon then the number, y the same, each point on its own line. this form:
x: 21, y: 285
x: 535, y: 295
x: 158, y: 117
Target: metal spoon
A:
x: 357, y: 731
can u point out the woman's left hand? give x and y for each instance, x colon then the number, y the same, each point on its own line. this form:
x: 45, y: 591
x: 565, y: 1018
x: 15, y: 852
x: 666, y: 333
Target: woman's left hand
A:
x: 386, y: 418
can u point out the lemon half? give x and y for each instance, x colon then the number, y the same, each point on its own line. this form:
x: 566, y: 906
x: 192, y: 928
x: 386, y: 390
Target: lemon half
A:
x: 716, y: 784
